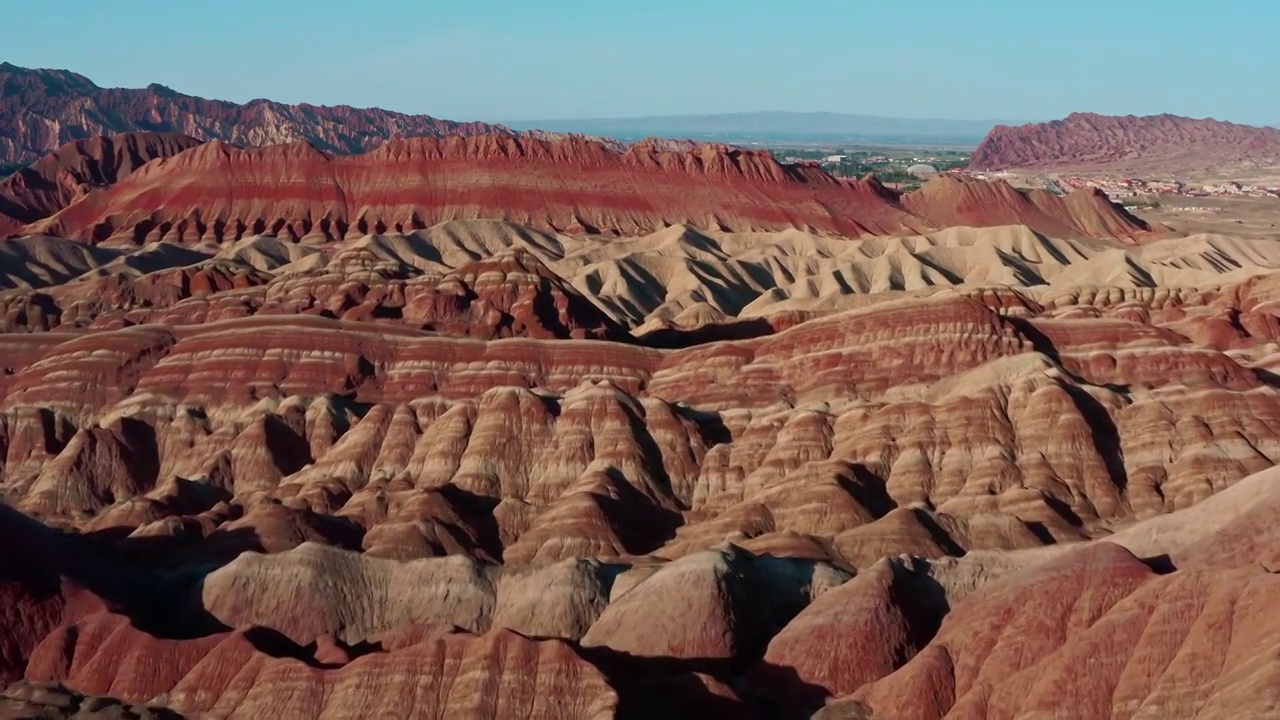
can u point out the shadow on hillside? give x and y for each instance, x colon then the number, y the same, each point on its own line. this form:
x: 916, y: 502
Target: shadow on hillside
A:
x: 1103, y: 430
x: 1266, y: 377
x: 747, y: 686
x: 275, y: 644
x: 642, y: 525
x: 1104, y: 433
x: 1161, y: 564
x: 667, y: 687
x: 677, y: 338
x: 164, y: 603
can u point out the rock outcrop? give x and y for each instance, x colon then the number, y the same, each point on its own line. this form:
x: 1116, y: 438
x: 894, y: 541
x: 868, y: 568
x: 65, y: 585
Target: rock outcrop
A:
x: 73, y: 170
x: 954, y: 200
x: 1157, y: 143
x: 42, y: 110
x: 219, y: 192
x: 484, y: 470
x: 254, y: 672
x: 928, y: 426
x: 222, y: 192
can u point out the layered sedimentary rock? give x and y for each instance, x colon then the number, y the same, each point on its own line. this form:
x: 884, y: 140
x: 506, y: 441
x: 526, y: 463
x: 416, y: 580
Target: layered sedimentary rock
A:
x: 71, y: 171
x: 1158, y: 143
x: 41, y: 110
x: 1023, y: 649
x: 219, y: 192
x: 252, y: 672
x: 1003, y: 634
x: 1008, y: 431
x: 286, y: 183
x: 280, y: 373
x: 954, y: 200
x: 1085, y: 631
x: 674, y: 288
x: 484, y: 470
x: 730, y: 603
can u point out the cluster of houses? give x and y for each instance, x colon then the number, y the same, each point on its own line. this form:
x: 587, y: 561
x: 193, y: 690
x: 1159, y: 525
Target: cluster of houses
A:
x: 1131, y: 187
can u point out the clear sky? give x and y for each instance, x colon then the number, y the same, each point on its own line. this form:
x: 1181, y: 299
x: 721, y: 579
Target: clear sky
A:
x: 511, y: 60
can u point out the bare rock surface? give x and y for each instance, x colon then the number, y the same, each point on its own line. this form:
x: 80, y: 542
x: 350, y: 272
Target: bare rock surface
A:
x: 729, y: 602
x: 42, y: 110
x: 252, y: 672
x: 765, y: 444
x: 73, y: 170
x: 220, y: 192
x: 1165, y: 144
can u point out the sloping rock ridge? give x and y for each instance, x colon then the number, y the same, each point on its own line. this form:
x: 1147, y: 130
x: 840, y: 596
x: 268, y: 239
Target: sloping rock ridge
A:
x: 42, y: 110
x: 492, y: 469
x: 70, y: 172
x: 1160, y: 143
x: 219, y: 192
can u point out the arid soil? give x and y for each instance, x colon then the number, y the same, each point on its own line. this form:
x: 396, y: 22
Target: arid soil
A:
x: 1245, y: 217
x: 1003, y: 457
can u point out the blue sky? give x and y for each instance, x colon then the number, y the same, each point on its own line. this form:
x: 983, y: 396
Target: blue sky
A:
x: 539, y: 59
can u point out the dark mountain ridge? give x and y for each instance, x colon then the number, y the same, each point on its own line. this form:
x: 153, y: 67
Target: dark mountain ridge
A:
x: 42, y: 110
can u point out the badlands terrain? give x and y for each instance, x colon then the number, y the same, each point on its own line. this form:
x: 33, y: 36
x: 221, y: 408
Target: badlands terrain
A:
x: 44, y: 109
x: 1159, y: 146
x: 499, y: 427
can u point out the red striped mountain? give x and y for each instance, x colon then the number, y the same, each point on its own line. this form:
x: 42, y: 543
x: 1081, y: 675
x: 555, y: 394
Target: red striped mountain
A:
x: 957, y: 200
x: 219, y: 191
x: 71, y: 171
x: 41, y: 110
x: 1159, y: 143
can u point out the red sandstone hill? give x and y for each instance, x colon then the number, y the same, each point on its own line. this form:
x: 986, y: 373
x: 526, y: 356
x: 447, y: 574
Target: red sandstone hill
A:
x: 1148, y: 143
x: 41, y: 110
x: 71, y: 171
x: 954, y: 200
x: 287, y: 484
x: 571, y: 184
x: 219, y: 192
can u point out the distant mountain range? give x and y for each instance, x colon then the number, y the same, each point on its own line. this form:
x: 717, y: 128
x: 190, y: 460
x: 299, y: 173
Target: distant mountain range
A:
x: 1166, y: 145
x: 42, y: 110
x: 776, y: 126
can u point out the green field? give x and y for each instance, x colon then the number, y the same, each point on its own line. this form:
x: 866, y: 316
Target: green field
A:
x: 889, y: 164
